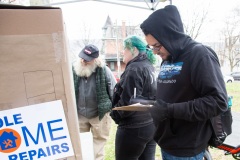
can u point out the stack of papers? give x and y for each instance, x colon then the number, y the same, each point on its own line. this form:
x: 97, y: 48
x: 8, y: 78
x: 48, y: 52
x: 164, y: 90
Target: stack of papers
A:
x: 133, y: 107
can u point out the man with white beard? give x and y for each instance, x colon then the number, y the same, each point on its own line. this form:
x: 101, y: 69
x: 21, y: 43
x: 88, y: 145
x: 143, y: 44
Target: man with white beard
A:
x: 94, y: 83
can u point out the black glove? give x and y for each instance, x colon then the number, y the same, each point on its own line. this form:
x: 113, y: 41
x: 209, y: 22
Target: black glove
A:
x: 159, y: 111
x: 142, y: 100
x: 115, y: 116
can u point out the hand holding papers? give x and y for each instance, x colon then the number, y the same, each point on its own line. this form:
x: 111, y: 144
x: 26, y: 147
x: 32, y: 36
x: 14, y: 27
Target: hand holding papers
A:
x: 137, y: 103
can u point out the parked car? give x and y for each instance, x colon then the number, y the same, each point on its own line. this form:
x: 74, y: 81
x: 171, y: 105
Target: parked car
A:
x: 116, y: 76
x: 235, y: 75
x: 228, y: 79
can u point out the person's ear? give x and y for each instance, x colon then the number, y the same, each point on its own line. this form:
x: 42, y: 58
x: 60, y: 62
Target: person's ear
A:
x: 135, y: 51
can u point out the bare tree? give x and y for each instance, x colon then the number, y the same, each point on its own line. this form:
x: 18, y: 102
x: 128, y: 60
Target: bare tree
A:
x: 39, y: 2
x: 193, y: 28
x: 231, y: 33
x: 86, y: 37
x: 195, y: 21
x: 7, y: 1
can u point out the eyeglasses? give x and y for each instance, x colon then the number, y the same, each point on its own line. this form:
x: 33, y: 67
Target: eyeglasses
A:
x: 155, y: 47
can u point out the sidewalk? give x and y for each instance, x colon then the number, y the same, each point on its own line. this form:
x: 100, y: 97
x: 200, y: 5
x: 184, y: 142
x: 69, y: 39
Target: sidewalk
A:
x: 87, y: 146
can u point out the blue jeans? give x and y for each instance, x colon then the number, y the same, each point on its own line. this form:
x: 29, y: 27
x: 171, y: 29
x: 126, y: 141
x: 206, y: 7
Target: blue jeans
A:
x: 166, y: 156
x: 135, y: 143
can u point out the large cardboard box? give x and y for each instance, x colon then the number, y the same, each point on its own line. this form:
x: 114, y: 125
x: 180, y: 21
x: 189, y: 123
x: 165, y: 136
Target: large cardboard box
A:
x: 34, y: 63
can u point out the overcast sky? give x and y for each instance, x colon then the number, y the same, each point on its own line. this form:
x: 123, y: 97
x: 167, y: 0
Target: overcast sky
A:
x: 92, y: 15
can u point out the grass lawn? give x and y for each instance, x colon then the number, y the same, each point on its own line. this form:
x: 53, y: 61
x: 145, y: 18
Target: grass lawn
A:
x: 233, y: 89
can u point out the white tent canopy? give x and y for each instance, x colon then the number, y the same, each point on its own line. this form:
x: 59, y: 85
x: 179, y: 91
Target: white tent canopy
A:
x: 150, y: 4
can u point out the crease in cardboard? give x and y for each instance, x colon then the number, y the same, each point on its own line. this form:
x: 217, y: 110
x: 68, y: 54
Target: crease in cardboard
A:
x: 57, y: 44
x: 31, y: 71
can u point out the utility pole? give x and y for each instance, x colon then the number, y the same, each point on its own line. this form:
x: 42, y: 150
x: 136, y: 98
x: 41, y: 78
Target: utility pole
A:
x: 117, y: 50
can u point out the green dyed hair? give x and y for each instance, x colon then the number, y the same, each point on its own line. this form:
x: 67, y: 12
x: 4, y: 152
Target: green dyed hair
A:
x: 136, y: 41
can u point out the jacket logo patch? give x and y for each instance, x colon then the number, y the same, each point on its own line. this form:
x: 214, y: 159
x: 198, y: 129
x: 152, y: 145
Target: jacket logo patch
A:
x: 169, y: 70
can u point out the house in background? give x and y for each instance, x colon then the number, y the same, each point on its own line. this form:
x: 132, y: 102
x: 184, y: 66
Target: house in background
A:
x: 112, y: 43
x: 115, y: 33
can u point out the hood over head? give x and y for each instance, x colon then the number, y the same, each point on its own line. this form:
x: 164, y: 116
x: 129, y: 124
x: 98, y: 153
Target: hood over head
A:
x: 166, y: 26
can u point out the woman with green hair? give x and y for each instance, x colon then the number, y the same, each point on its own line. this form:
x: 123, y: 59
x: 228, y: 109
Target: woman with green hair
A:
x: 134, y: 42
x: 134, y: 136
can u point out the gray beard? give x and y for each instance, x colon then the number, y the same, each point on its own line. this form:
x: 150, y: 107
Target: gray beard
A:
x: 85, y: 70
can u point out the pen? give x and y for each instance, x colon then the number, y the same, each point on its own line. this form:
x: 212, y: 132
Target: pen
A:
x: 134, y: 95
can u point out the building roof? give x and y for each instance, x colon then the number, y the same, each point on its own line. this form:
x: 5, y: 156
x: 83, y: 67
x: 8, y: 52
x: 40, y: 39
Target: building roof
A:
x: 107, y: 23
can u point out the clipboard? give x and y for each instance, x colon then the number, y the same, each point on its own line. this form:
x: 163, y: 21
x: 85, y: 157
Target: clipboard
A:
x: 133, y: 107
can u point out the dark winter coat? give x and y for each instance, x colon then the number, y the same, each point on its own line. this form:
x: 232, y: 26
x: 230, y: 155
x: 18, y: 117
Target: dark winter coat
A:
x: 139, y: 74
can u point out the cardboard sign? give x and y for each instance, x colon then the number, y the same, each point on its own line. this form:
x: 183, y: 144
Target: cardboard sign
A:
x: 35, y: 132
x: 35, y: 64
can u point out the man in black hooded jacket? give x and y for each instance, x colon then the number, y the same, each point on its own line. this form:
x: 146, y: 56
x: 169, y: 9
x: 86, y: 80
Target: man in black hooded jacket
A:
x: 190, y: 87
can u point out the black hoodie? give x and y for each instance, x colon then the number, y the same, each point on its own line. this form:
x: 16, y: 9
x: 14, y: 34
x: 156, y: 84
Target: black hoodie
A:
x: 190, y: 82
